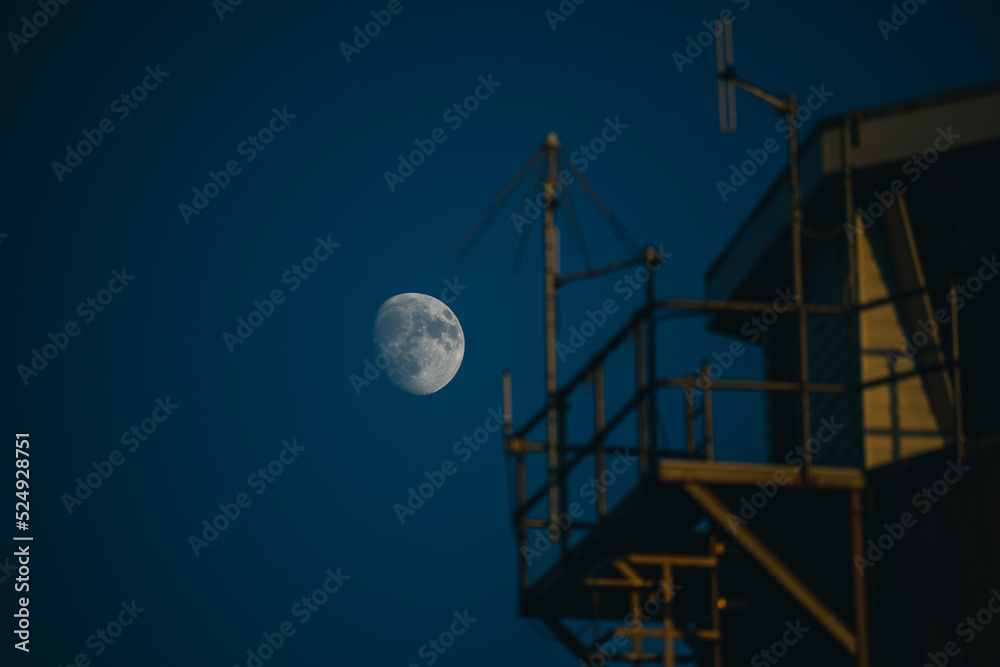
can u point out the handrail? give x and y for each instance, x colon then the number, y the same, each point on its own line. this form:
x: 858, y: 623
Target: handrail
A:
x: 585, y: 372
x: 571, y: 457
x: 582, y: 452
x: 702, y: 305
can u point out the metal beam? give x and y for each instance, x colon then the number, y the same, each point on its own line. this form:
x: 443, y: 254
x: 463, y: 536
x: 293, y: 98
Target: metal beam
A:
x: 679, y: 560
x: 860, y: 592
x: 747, y: 306
x: 763, y: 385
x: 957, y: 372
x: 628, y: 571
x: 679, y: 471
x: 775, y: 567
x: 567, y: 638
x: 551, y: 382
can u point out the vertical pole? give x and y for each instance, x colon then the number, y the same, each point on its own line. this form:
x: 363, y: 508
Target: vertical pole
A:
x: 706, y: 406
x: 894, y: 426
x: 635, y: 602
x: 957, y: 374
x: 847, y: 158
x: 602, y: 496
x: 852, y: 321
x: 551, y: 386
x: 651, y: 256
x: 522, y: 484
x: 796, y: 216
x: 669, y: 657
x: 595, y: 601
x: 689, y: 419
x: 716, y: 609
x: 640, y: 381
x: 860, y: 594
x: 564, y: 496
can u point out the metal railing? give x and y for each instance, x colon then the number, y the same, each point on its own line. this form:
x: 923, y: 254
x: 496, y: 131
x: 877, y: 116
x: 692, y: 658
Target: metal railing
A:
x: 641, y: 328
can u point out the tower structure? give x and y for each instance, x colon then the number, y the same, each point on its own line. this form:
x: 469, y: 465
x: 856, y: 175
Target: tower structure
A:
x: 666, y: 555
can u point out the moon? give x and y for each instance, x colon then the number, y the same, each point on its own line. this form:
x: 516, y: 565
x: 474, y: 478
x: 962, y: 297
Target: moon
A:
x: 422, y: 341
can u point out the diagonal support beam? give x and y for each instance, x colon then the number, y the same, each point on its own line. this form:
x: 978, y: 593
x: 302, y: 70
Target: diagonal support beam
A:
x: 629, y: 572
x: 775, y: 567
x: 568, y: 638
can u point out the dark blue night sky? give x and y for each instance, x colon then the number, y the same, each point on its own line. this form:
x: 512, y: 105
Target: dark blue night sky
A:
x: 200, y: 227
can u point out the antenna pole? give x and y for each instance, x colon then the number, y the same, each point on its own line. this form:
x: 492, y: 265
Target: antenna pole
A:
x: 796, y: 216
x: 551, y: 385
x: 787, y: 106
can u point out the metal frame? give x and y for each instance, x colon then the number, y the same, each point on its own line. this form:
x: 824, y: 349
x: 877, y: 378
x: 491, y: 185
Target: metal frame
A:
x: 699, y: 471
x: 629, y: 567
x: 696, y: 476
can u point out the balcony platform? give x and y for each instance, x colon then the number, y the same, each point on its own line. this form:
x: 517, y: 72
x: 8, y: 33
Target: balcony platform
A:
x: 806, y: 525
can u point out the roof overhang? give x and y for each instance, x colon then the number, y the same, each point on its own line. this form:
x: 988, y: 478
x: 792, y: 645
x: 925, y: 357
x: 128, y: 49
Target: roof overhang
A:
x: 883, y: 140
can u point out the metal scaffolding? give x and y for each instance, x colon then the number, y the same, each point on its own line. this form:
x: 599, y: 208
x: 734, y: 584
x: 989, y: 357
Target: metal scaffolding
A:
x: 632, y: 589
x: 694, y: 469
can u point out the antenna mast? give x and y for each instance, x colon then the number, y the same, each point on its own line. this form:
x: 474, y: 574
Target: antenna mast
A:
x: 728, y: 81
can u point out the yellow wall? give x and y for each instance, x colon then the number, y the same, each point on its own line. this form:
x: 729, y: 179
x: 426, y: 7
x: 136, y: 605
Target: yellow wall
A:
x: 880, y: 330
